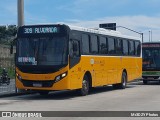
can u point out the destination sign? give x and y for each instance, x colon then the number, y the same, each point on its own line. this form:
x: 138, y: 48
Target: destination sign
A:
x: 151, y: 45
x: 40, y: 30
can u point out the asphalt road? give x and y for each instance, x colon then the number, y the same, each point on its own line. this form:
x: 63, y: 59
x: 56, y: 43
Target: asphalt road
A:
x: 136, y: 97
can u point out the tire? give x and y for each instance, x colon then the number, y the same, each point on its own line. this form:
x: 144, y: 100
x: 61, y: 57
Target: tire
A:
x: 145, y: 82
x: 43, y: 93
x: 85, y: 86
x: 123, y: 83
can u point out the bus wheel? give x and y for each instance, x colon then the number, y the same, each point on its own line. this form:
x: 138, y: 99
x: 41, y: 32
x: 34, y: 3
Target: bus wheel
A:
x: 123, y: 83
x: 85, y: 86
x: 43, y: 93
x: 145, y: 82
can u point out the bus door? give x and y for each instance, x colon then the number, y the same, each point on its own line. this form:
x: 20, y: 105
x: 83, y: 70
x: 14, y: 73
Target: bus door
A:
x: 75, y: 66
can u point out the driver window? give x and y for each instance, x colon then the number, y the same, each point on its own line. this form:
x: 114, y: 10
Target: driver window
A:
x: 74, y: 48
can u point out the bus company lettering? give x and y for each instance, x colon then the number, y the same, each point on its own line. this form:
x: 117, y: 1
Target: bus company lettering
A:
x: 46, y: 30
x: 41, y: 30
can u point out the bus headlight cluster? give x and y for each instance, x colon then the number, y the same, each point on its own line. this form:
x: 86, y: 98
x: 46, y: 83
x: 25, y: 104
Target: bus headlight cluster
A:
x: 18, y: 76
x: 59, y: 77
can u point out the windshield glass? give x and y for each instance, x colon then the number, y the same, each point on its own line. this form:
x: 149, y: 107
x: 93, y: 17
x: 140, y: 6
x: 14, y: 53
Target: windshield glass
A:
x: 42, y: 51
x: 151, y: 58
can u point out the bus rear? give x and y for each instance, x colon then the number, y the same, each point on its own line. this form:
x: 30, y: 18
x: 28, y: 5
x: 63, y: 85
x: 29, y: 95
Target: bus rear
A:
x: 151, y: 61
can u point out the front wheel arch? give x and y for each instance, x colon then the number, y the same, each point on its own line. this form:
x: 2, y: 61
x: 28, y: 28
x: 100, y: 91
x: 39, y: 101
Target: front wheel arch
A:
x: 84, y: 90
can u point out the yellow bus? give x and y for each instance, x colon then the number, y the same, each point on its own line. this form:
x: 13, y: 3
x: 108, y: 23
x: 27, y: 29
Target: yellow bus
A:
x: 63, y: 57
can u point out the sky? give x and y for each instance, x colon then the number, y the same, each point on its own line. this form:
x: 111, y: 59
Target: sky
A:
x: 139, y: 15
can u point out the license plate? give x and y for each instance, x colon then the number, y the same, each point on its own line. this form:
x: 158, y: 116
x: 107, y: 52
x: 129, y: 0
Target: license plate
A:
x: 37, y: 84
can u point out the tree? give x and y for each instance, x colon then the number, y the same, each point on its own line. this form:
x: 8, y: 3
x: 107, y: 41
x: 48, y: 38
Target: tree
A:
x: 2, y: 32
x: 7, y: 33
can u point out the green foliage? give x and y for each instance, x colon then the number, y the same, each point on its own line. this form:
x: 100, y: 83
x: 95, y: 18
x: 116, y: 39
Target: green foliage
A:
x: 7, y: 33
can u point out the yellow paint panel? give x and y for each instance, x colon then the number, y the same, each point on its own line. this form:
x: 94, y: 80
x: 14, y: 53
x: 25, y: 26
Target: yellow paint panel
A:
x: 104, y: 71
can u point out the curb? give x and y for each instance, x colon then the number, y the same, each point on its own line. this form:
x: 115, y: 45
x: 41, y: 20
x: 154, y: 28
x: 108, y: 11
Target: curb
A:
x: 15, y: 94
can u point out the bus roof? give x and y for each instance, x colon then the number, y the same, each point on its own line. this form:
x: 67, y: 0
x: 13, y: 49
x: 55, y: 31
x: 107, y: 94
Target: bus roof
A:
x: 101, y: 31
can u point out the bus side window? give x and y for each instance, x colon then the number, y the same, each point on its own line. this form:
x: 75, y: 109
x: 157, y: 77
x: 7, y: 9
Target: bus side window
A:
x: 131, y: 48
x: 111, y: 46
x: 103, y: 45
x: 118, y: 46
x: 137, y: 48
x: 76, y: 48
x: 125, y: 47
x: 85, y: 44
x: 94, y: 44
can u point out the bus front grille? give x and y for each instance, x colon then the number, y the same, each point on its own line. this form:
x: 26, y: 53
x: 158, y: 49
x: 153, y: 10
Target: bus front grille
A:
x: 40, y: 83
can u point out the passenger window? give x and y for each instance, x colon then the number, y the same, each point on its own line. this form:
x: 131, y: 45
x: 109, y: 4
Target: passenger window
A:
x: 118, y: 45
x: 111, y: 46
x: 131, y: 48
x: 103, y: 45
x: 125, y: 47
x: 94, y: 44
x: 85, y: 44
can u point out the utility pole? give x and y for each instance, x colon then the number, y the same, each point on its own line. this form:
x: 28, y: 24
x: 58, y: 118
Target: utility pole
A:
x: 20, y: 22
x: 151, y: 35
x: 20, y: 9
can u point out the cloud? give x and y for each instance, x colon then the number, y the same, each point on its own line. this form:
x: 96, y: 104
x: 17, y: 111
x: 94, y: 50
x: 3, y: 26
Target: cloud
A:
x: 137, y: 23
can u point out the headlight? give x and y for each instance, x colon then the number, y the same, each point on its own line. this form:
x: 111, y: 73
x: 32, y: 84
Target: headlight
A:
x: 64, y: 75
x: 18, y: 76
x: 59, y: 77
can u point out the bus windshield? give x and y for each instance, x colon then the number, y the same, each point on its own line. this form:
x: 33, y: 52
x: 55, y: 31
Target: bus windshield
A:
x: 151, y: 58
x: 42, y: 51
